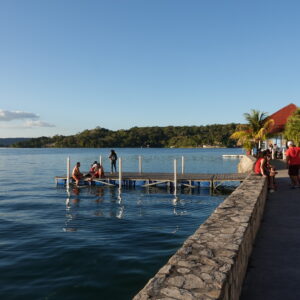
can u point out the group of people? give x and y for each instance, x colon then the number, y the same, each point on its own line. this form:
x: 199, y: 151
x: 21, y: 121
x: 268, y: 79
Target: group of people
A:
x: 264, y: 167
x: 96, y: 169
x: 274, y: 151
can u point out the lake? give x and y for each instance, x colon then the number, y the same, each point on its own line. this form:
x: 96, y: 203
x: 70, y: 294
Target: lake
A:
x: 94, y: 243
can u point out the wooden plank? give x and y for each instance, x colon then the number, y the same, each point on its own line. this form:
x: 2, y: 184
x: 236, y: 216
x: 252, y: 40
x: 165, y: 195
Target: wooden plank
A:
x: 189, y: 185
x: 104, y: 182
x: 155, y: 183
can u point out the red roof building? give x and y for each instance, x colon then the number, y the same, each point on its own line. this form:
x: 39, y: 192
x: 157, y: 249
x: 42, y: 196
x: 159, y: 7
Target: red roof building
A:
x: 280, y: 118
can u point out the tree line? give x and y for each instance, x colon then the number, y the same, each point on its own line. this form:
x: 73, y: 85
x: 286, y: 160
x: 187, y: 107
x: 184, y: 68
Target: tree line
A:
x: 169, y: 136
x: 6, y: 142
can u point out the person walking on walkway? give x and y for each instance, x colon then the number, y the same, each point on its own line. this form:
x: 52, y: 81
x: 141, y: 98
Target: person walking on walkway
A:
x: 293, y: 163
x: 113, y: 160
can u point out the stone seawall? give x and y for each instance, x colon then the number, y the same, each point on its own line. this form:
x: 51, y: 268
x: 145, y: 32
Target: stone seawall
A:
x: 212, y: 262
x: 246, y: 164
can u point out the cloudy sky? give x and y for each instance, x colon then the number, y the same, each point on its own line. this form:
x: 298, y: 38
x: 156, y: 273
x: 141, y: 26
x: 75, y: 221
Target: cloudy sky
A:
x: 71, y: 65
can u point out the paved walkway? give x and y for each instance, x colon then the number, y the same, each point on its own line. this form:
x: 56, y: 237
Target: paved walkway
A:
x: 274, y: 267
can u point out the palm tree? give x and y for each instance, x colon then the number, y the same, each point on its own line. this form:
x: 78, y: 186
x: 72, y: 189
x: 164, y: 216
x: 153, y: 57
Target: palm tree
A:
x: 252, y: 134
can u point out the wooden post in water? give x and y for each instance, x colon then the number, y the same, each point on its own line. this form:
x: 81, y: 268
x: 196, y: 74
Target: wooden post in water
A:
x: 120, y: 172
x: 68, y: 172
x: 175, y: 176
x: 140, y: 164
x: 182, y: 164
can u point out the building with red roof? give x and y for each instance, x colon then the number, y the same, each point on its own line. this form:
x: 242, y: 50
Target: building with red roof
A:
x: 280, y: 118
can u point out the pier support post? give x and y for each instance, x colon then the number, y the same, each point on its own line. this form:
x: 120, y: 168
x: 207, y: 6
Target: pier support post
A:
x: 182, y: 164
x: 140, y: 164
x: 68, y: 172
x: 175, y: 177
x: 120, y: 172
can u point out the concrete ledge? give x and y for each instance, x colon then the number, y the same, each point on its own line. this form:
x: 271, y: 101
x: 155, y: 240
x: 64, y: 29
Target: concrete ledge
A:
x: 212, y: 262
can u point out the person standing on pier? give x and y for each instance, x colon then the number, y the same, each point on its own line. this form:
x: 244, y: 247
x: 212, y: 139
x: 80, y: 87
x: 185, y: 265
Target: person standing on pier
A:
x: 113, y: 160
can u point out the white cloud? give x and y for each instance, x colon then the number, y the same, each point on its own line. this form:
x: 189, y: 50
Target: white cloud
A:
x: 6, y: 115
x: 38, y: 123
x: 28, y: 120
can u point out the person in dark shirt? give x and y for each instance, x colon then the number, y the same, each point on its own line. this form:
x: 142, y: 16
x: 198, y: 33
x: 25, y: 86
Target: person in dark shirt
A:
x: 113, y: 160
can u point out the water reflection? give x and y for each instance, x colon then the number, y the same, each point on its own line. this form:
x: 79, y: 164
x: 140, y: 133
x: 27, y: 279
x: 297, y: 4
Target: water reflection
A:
x: 72, y: 201
x: 109, y: 202
x: 70, y: 217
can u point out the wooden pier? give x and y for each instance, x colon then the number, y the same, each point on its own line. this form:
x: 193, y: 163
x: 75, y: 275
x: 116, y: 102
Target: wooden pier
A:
x: 140, y: 178
x: 150, y: 179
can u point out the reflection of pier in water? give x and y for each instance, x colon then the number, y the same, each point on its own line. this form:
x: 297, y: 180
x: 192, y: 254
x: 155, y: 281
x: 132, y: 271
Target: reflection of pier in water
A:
x: 111, y: 202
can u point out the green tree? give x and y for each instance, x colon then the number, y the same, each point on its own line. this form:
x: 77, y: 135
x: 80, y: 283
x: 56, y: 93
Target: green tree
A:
x: 252, y: 134
x: 292, y: 127
x: 179, y: 136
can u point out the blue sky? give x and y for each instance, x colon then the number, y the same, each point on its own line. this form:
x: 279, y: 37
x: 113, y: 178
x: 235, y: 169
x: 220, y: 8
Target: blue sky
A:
x: 71, y: 65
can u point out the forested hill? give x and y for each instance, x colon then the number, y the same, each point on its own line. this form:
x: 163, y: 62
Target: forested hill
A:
x: 6, y: 142
x: 170, y: 136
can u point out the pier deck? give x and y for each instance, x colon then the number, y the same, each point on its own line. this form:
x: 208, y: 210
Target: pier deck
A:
x: 189, y: 179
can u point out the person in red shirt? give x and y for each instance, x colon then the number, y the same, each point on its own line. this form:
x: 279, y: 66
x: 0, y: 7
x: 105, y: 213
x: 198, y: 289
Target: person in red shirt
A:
x: 262, y: 167
x: 260, y: 164
x: 98, y: 172
x: 293, y: 163
x: 93, y: 167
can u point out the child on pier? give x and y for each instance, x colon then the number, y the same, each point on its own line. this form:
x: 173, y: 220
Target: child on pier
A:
x: 98, y: 172
x: 93, y: 167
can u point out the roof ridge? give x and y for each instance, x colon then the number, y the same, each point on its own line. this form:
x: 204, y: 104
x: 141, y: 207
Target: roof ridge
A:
x: 280, y: 117
x: 285, y: 107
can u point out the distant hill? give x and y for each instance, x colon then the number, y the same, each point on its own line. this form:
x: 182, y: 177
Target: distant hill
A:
x: 10, y: 141
x: 160, y: 137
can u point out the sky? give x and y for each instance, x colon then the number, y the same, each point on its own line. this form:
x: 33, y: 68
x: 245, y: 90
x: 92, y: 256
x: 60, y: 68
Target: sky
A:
x: 71, y: 65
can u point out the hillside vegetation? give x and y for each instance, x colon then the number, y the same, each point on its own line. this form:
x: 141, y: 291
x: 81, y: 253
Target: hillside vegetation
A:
x: 7, y: 142
x: 170, y: 136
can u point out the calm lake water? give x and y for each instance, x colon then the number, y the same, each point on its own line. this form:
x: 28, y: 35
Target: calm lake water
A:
x: 95, y: 243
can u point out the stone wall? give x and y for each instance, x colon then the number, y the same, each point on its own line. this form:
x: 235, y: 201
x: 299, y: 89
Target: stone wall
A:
x: 246, y: 164
x: 212, y: 262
